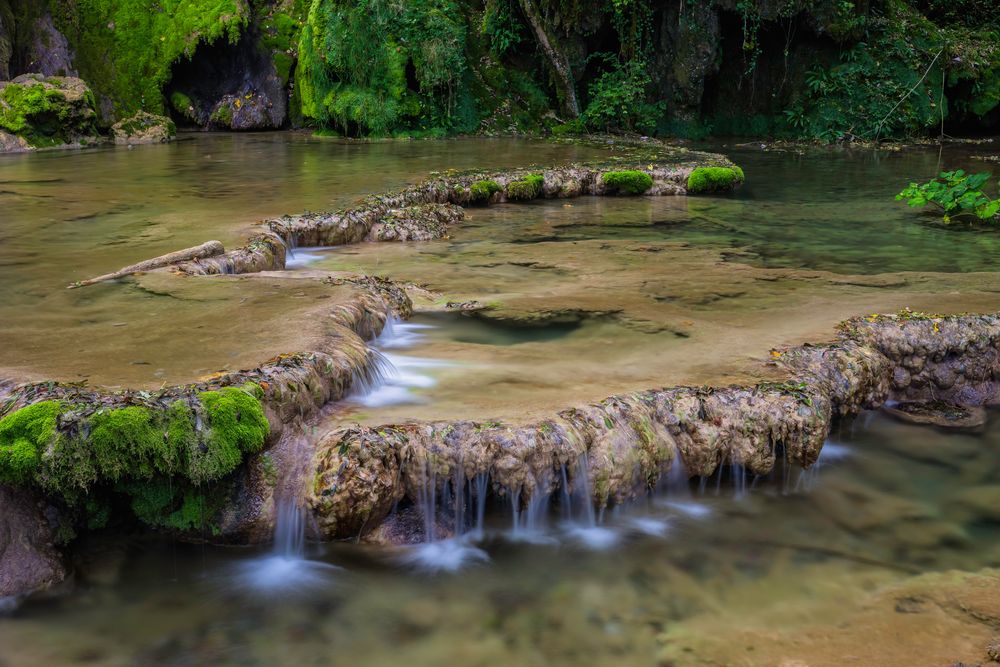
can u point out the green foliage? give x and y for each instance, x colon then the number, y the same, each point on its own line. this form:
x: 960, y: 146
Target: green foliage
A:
x: 501, y: 25
x: 482, y: 191
x: 24, y: 436
x: 618, y: 99
x: 888, y: 85
x: 527, y: 188
x: 124, y: 48
x: 627, y: 182
x: 354, y: 56
x: 714, y: 179
x: 957, y: 194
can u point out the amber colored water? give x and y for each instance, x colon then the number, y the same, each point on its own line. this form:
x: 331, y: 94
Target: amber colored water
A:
x: 584, y: 298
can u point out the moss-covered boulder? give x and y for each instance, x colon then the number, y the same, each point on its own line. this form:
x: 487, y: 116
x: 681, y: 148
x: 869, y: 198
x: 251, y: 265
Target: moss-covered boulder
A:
x: 48, y: 111
x: 714, y: 179
x: 144, y: 128
x: 629, y: 182
x: 164, y: 455
x: 525, y: 189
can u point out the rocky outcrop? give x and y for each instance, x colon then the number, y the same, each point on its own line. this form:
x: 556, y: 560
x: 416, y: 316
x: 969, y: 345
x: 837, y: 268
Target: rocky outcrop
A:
x: 627, y: 443
x: 938, y: 413
x: 29, y: 562
x: 50, y: 53
x: 426, y: 210
x: 47, y: 112
x: 143, y: 128
x: 6, y: 40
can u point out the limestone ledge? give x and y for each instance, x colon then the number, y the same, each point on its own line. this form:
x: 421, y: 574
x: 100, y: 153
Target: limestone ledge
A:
x: 425, y: 211
x: 633, y: 440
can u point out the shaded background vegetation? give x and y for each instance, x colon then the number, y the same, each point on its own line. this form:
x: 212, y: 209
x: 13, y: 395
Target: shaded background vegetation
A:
x: 823, y: 69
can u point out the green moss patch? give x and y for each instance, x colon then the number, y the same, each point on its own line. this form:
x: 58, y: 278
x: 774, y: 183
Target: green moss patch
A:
x: 527, y: 188
x: 23, y: 436
x: 139, y: 450
x: 47, y: 111
x: 714, y: 179
x: 482, y: 191
x: 630, y: 182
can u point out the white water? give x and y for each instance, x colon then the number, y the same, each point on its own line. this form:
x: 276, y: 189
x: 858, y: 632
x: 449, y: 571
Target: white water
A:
x: 400, y: 374
x: 286, y: 569
x: 297, y: 258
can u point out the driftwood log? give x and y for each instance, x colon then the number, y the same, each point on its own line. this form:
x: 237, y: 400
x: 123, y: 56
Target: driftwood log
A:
x: 207, y: 249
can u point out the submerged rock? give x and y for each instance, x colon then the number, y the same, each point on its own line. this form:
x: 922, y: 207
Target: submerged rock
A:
x: 936, y: 413
x: 144, y: 128
x: 29, y: 562
x: 46, y: 112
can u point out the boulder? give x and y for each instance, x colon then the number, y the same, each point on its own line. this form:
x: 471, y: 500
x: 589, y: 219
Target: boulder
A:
x: 29, y: 562
x: 143, y: 128
x: 47, y: 111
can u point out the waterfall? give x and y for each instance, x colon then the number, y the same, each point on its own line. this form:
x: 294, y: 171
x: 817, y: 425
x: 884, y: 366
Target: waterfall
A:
x: 530, y: 524
x: 457, y: 496
x: 389, y: 378
x: 286, y: 568
x: 583, y: 525
x: 289, y: 531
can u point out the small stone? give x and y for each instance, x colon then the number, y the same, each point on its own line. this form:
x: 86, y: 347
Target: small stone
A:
x: 993, y: 649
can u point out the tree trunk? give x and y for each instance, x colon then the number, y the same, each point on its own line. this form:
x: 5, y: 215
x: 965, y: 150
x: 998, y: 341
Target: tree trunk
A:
x: 208, y: 249
x: 557, y: 59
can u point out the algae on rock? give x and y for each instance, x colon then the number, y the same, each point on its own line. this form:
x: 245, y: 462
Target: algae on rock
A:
x: 48, y: 111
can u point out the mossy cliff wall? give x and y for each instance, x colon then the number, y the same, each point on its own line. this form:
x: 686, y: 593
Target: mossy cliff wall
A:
x: 825, y: 69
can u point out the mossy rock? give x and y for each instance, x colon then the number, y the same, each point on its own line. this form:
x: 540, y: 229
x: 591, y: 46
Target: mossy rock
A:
x: 71, y: 452
x: 48, y: 111
x: 714, y: 179
x: 481, y: 192
x: 144, y: 128
x: 526, y: 189
x: 23, y: 436
x: 631, y: 182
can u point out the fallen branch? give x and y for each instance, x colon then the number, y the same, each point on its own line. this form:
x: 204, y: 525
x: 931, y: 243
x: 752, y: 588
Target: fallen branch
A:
x: 208, y: 249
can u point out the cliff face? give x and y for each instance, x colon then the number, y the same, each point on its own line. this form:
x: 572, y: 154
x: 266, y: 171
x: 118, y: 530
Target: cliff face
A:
x: 799, y: 68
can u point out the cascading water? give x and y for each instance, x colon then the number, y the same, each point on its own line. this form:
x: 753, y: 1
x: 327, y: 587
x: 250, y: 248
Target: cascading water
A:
x: 583, y: 524
x: 531, y: 523
x: 459, y: 497
x: 397, y: 375
x: 286, y: 568
x: 675, y: 492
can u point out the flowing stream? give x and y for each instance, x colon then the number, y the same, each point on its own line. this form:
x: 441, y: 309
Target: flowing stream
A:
x: 567, y: 302
x: 887, y: 501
